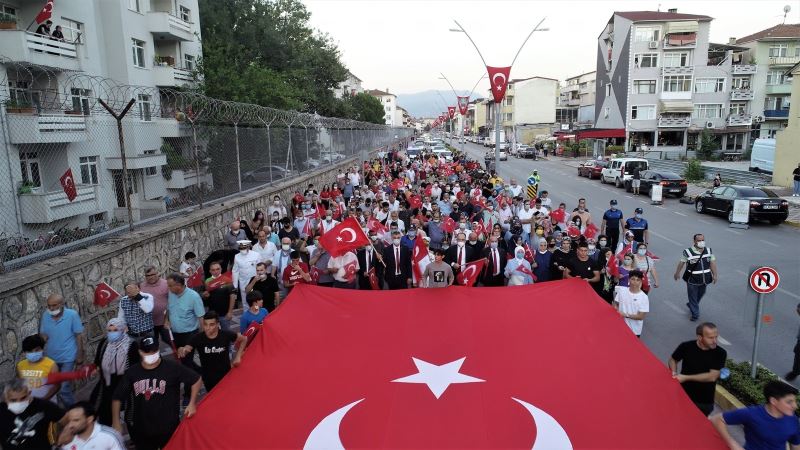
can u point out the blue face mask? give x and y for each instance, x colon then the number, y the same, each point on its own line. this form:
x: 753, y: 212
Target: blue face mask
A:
x: 114, y: 336
x: 34, y: 357
x: 638, y: 216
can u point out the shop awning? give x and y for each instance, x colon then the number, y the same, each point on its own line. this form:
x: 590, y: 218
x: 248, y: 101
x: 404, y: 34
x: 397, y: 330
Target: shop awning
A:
x: 601, y: 133
x: 565, y: 137
x: 688, y: 26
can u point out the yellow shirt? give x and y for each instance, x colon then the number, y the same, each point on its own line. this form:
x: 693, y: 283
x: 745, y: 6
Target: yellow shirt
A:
x: 35, y: 375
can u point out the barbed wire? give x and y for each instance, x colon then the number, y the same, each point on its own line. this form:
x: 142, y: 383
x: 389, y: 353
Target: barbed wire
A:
x: 49, y: 90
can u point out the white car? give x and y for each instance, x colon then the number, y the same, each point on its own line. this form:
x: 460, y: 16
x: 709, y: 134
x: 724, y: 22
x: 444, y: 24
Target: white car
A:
x: 620, y: 170
x: 503, y: 156
x: 443, y: 153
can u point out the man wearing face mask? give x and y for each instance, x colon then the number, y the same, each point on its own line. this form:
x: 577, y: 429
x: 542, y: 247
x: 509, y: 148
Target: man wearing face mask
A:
x: 26, y: 421
x: 638, y: 225
x: 701, y: 270
x: 277, y: 208
x: 459, y: 255
x: 282, y: 260
x: 328, y: 223
x: 474, y: 243
x: 244, y: 266
x: 35, y: 368
x: 398, y: 264
x: 612, y: 224
x: 369, y: 257
x: 526, y: 217
x: 151, y: 392
x: 435, y: 231
x: 234, y: 235
x: 63, y: 331
x: 496, y: 261
x: 409, y: 240
x: 287, y: 230
x: 136, y: 310
x: 560, y: 259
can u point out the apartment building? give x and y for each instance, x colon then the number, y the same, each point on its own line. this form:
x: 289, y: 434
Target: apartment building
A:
x: 534, y: 102
x: 660, y: 83
x: 402, y: 117
x: 773, y: 51
x: 586, y: 95
x: 151, y: 43
x: 389, y: 102
x: 351, y: 86
x: 569, y: 101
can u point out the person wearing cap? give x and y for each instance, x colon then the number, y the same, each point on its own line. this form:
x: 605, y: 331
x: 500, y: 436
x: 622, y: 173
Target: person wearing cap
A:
x: 437, y: 273
x: 628, y: 245
x: 638, y: 225
x: 612, y: 224
x: 150, y: 393
x: 244, y: 266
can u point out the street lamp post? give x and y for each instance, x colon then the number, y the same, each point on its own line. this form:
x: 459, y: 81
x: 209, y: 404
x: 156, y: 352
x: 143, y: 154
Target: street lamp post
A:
x: 443, y: 77
x: 461, y: 29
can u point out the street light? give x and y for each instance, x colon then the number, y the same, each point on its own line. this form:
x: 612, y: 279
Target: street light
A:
x: 443, y: 77
x: 461, y: 29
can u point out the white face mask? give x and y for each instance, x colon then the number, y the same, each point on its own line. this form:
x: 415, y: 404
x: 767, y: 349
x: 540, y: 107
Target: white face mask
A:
x: 461, y: 243
x: 285, y: 247
x: 396, y: 241
x: 244, y: 251
x: 642, y: 251
x: 592, y: 247
x: 701, y: 244
x: 151, y: 359
x: 54, y: 312
x: 17, y: 408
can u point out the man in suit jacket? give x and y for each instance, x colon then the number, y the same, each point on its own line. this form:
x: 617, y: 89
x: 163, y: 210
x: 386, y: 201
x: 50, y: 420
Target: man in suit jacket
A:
x: 495, y: 263
x: 459, y: 255
x: 367, y: 259
x: 398, y: 264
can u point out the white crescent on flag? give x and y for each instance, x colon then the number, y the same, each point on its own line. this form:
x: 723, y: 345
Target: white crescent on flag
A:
x: 499, y: 86
x: 105, y: 294
x: 347, y: 230
x: 467, y: 274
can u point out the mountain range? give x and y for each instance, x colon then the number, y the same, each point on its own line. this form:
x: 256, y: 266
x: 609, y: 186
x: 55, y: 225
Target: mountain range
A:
x: 428, y: 103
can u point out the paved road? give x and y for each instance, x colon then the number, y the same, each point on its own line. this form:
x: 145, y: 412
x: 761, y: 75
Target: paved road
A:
x: 730, y: 303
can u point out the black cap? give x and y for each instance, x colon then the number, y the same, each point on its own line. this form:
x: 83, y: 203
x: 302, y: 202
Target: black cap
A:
x: 613, y: 202
x: 639, y: 210
x: 148, y: 344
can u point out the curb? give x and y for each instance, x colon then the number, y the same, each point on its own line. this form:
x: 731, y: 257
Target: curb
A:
x: 725, y: 400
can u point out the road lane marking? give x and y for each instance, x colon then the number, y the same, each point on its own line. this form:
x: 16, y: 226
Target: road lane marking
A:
x: 666, y: 238
x: 675, y: 307
x: 705, y: 221
x: 680, y: 213
x: 769, y: 243
x: 733, y: 231
x: 628, y: 196
x: 790, y: 294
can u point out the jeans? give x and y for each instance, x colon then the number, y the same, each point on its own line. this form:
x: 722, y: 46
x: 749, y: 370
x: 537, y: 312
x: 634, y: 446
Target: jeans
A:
x: 65, y: 394
x: 796, y: 187
x: 696, y: 293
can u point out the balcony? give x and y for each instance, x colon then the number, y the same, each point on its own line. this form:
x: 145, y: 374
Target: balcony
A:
x: 167, y: 76
x: 181, y: 179
x: 776, y: 114
x: 741, y: 94
x: 736, y: 120
x: 20, y: 45
x: 784, y: 60
x: 778, y: 89
x: 744, y: 69
x: 674, y: 122
x: 46, y: 128
x: 683, y: 70
x: 47, y: 207
x: 164, y: 25
x: 137, y: 162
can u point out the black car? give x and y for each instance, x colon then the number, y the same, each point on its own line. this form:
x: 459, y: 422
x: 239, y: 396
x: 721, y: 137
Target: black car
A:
x: 764, y: 204
x: 671, y: 183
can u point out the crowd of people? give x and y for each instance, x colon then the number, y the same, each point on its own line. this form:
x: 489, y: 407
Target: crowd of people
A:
x: 429, y: 220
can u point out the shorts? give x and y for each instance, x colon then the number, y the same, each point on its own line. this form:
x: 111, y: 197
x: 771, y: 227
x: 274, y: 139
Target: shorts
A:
x: 635, y: 183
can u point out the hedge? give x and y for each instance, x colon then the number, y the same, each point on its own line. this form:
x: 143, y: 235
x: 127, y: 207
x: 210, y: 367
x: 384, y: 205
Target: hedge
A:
x: 744, y: 388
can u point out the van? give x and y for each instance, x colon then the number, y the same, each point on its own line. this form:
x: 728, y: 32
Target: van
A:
x: 762, y: 158
x: 620, y: 170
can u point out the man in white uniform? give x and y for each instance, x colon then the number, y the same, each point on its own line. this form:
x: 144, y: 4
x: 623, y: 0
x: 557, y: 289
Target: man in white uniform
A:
x: 244, y: 266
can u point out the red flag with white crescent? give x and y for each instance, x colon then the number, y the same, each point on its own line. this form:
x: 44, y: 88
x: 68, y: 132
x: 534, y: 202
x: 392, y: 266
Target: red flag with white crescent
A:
x: 526, y: 271
x: 350, y: 270
x: 346, y: 236
x: 196, y: 280
x: 314, y: 273
x: 448, y: 224
x: 68, y: 184
x: 591, y: 231
x: 451, y: 111
x: 373, y: 279
x: 213, y: 284
x: 375, y: 225
x: 419, y: 260
x: 104, y: 294
x: 469, y: 275
x: 307, y: 228
x: 463, y: 103
x: 498, y: 77
x: 45, y: 13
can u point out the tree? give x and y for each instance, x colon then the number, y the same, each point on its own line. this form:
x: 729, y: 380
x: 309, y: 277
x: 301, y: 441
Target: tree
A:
x: 707, y: 145
x: 365, y: 108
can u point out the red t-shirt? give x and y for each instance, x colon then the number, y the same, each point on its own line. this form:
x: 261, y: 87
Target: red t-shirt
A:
x: 291, y: 275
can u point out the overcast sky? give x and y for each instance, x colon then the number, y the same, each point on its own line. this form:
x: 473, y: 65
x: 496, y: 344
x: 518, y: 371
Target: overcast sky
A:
x: 403, y: 45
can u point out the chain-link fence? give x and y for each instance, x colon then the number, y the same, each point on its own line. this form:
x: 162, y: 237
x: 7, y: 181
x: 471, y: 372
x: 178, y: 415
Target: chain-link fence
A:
x: 83, y: 155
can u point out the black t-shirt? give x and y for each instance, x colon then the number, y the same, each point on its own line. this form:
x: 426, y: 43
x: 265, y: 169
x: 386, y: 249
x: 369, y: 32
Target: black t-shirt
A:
x: 154, y: 406
x: 583, y: 269
x: 796, y: 173
x: 214, y: 353
x: 696, y: 360
x: 33, y: 428
x: 292, y: 234
x: 219, y: 300
x: 268, y: 288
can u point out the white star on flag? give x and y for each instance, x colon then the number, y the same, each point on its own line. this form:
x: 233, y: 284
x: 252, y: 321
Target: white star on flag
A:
x: 338, y: 239
x: 438, y: 378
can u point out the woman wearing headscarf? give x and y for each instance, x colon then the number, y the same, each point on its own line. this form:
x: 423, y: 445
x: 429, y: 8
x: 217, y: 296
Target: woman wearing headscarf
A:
x: 115, y: 353
x: 518, y: 270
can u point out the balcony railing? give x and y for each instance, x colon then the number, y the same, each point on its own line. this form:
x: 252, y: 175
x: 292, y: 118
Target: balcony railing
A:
x: 740, y: 119
x: 166, y: 26
x: 674, y: 122
x: 39, y: 43
x: 46, y: 128
x: 171, y: 76
x: 683, y: 70
x: 20, y: 45
x: 784, y: 60
x: 47, y: 207
x: 744, y: 69
x: 776, y: 113
x: 741, y: 94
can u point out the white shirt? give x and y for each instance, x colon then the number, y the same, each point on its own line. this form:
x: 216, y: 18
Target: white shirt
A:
x: 544, y: 212
x: 525, y: 215
x: 339, y: 262
x: 265, y: 252
x: 147, y: 303
x: 547, y: 202
x: 102, y: 438
x: 631, y: 304
x: 355, y: 178
x: 244, y: 267
x: 327, y: 226
x: 516, y: 190
x: 187, y: 269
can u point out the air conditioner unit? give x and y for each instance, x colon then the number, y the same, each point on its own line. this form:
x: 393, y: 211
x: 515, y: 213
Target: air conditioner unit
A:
x: 653, y: 45
x: 759, y: 119
x: 709, y: 124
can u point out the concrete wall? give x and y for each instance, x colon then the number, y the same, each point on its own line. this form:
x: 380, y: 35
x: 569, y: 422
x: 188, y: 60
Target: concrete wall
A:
x: 23, y: 292
x: 787, y: 144
x: 535, y: 101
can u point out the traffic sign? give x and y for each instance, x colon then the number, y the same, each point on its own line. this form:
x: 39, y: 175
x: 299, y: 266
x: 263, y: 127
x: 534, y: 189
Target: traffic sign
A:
x: 764, y: 280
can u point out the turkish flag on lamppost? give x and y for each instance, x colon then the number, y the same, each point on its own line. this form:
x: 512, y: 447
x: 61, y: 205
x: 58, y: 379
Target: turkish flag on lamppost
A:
x: 46, y: 12
x: 463, y: 102
x: 104, y: 294
x: 68, y: 184
x: 451, y: 111
x: 498, y: 77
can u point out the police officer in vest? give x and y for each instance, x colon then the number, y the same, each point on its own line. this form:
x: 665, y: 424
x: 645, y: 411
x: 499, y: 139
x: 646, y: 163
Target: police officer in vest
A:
x: 136, y: 309
x: 701, y: 270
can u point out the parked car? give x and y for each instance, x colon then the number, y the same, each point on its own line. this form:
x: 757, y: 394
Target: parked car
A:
x: 527, y: 152
x: 671, y: 183
x: 592, y: 168
x: 764, y: 204
x: 620, y: 170
x: 762, y: 157
x: 504, y: 145
x: 262, y: 174
x: 503, y: 156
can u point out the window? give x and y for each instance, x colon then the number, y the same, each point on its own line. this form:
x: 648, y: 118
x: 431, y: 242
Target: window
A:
x: 509, y: 101
x: 646, y: 34
x: 510, y: 87
x: 646, y: 60
x: 88, y: 169
x: 735, y: 141
x: 605, y: 112
x: 150, y: 171
x: 29, y: 166
x: 740, y: 83
x: 677, y: 83
x: 509, y: 116
x: 777, y: 103
x: 19, y: 91
x: 188, y: 62
x: 738, y: 108
x: 707, y: 111
x: 144, y: 107
x: 138, y: 53
x: 73, y: 30
x: 133, y: 5
x: 132, y: 187
x: 388, y: 108
x: 704, y: 85
x: 80, y: 100
x: 644, y: 86
x: 643, y: 112
x: 676, y: 59
x: 10, y: 10
x: 184, y: 13
x: 775, y: 77
x: 797, y: 51
x: 778, y: 50
x: 608, y: 90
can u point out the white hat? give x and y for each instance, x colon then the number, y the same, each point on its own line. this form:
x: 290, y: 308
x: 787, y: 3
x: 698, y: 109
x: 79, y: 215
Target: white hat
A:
x: 244, y: 242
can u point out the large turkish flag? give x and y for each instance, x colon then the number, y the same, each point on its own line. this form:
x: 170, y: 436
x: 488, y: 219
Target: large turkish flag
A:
x: 548, y: 366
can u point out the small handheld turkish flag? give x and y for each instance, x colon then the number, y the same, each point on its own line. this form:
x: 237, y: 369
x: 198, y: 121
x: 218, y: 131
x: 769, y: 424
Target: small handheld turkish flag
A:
x: 448, y: 224
x: 344, y: 237
x: 222, y: 280
x: 196, y: 280
x: 498, y: 76
x: 350, y: 271
x: 45, y: 13
x: 469, y: 275
x: 420, y: 260
x: 104, y: 294
x: 68, y: 184
x: 591, y: 231
x: 451, y: 111
x: 373, y: 279
x: 526, y: 271
x: 314, y: 275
